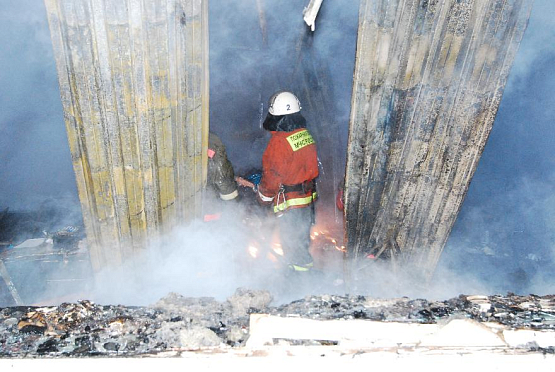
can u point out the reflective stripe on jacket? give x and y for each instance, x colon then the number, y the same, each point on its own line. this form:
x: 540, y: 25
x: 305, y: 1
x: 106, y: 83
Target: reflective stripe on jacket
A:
x: 287, y: 203
x: 289, y: 159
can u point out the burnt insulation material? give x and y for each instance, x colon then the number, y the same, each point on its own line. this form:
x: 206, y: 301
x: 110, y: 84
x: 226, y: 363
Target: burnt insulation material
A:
x: 177, y: 323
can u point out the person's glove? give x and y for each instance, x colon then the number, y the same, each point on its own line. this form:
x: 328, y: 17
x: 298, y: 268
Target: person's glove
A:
x: 251, y: 181
x: 255, y: 178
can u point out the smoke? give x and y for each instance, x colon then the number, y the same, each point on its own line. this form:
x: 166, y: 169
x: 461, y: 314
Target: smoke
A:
x: 380, y: 279
x: 34, y: 155
x: 537, y: 44
x: 192, y: 261
x: 208, y: 259
x: 504, y: 239
x: 505, y: 233
x: 258, y: 47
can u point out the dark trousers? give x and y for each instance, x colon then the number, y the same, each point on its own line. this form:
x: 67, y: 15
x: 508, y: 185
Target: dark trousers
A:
x: 294, y: 232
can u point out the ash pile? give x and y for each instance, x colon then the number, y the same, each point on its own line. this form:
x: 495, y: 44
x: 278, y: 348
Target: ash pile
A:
x: 177, y: 323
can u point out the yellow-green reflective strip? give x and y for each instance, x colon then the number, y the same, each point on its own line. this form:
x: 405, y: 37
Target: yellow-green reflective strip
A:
x: 301, y: 268
x: 294, y: 202
x: 300, y: 139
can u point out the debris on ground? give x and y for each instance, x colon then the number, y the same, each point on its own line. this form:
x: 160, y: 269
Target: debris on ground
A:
x: 178, y: 323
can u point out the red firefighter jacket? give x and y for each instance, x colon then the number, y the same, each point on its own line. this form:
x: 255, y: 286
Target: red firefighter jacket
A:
x: 290, y: 160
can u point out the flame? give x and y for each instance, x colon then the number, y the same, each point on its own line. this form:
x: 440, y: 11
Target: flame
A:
x: 324, y: 236
x: 271, y: 257
x: 277, y: 249
x: 253, y: 251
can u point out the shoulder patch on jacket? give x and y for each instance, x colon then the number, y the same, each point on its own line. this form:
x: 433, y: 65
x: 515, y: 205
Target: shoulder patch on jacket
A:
x: 300, y: 139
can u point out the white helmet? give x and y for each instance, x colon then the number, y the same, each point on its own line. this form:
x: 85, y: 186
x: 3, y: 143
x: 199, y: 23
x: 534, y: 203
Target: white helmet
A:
x: 284, y: 103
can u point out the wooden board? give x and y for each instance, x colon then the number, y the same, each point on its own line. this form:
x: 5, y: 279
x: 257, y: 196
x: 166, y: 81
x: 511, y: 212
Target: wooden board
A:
x: 267, y: 330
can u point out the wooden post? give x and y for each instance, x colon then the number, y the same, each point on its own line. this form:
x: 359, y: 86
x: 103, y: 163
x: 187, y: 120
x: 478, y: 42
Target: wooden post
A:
x: 133, y: 78
x: 428, y: 81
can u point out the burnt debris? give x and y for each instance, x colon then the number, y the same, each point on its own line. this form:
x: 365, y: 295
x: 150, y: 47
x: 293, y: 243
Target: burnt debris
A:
x: 177, y: 323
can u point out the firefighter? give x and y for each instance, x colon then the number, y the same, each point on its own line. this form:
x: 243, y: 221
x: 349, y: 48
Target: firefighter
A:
x: 289, y: 170
x: 220, y: 179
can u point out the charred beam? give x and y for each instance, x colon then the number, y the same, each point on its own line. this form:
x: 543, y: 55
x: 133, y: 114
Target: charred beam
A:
x: 428, y: 81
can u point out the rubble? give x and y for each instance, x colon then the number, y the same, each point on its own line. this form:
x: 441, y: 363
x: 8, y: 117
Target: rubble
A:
x: 177, y: 323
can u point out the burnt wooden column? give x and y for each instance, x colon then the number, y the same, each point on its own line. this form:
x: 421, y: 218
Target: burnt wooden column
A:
x: 428, y: 81
x: 133, y: 80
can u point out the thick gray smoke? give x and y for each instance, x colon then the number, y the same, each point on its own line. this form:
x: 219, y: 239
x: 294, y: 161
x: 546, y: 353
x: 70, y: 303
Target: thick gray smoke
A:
x: 504, y: 239
x: 258, y: 47
x: 505, y: 234
x: 199, y: 260
x: 207, y: 259
x: 35, y: 164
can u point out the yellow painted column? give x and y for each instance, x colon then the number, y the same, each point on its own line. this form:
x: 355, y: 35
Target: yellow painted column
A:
x: 133, y: 80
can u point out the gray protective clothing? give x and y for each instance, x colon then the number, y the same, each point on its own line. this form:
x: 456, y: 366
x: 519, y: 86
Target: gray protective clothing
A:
x: 221, y: 177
